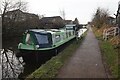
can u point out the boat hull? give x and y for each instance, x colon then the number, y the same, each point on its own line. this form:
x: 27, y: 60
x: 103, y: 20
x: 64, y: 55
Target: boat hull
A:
x: 40, y: 57
x: 37, y: 57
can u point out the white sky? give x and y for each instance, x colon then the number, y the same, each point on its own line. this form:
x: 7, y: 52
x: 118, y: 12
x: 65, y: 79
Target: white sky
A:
x: 82, y: 9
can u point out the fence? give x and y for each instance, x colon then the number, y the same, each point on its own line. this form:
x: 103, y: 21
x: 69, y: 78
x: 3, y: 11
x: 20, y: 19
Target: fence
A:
x: 113, y: 31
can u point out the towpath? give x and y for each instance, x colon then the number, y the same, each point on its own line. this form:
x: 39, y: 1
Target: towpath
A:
x: 86, y: 61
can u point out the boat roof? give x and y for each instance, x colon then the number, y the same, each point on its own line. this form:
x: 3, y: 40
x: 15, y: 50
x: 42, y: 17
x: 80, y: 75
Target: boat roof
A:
x: 37, y: 30
x: 70, y: 25
x: 52, y: 31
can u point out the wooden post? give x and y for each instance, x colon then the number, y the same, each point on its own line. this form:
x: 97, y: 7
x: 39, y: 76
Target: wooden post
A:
x: 104, y: 34
x: 115, y: 31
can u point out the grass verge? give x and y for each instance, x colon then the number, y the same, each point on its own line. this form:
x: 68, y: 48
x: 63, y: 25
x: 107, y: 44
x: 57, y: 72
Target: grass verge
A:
x: 51, y: 67
x: 109, y: 54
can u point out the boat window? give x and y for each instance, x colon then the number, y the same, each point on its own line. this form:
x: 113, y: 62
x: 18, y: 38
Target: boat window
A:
x: 42, y: 39
x: 69, y: 27
x: 28, y: 39
x: 57, y: 38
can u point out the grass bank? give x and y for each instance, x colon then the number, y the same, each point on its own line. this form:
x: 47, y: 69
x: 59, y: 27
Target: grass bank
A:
x: 51, y: 67
x: 109, y: 54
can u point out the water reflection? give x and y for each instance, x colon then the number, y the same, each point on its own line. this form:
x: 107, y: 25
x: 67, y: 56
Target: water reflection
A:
x: 14, y: 67
x: 11, y: 65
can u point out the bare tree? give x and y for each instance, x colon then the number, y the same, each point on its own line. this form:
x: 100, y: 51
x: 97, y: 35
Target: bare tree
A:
x: 62, y: 13
x: 100, y: 17
x: 8, y: 24
x: 21, y: 6
x: 41, y: 16
x: 8, y: 5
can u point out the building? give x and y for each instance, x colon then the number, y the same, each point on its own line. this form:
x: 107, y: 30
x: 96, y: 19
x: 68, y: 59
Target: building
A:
x: 68, y: 21
x: 51, y: 22
x: 111, y: 20
x: 18, y: 19
x: 18, y: 15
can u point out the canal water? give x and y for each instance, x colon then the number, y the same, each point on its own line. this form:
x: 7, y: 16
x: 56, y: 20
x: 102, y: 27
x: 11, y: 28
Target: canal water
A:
x: 11, y: 66
x: 14, y: 67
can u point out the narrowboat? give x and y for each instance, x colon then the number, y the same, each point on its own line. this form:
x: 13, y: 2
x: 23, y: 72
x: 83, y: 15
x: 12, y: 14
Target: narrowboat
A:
x: 39, y: 42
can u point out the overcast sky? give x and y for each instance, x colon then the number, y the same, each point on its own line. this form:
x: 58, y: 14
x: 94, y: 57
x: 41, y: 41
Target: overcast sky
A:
x: 82, y: 9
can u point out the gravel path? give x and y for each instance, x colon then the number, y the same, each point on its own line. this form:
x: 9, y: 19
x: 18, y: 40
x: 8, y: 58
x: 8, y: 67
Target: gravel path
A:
x: 86, y: 61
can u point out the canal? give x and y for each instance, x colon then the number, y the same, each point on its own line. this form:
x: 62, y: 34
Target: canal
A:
x: 12, y: 66
x: 15, y: 67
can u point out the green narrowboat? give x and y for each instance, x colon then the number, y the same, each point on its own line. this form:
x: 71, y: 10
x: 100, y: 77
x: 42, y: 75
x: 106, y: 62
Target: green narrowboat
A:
x: 44, y: 40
